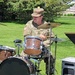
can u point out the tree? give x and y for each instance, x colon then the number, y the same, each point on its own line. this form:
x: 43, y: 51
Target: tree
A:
x: 22, y: 9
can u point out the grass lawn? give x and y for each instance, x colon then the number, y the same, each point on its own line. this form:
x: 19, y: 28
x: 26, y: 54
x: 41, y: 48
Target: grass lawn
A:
x: 65, y: 48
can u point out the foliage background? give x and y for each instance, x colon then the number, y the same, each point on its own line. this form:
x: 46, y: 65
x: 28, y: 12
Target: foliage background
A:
x: 20, y: 10
x: 15, y: 13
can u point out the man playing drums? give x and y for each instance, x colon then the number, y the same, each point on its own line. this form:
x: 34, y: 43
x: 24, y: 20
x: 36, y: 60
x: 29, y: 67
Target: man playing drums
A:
x: 31, y: 29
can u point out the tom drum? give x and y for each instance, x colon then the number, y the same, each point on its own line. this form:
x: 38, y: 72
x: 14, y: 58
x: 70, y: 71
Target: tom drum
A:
x: 33, y: 45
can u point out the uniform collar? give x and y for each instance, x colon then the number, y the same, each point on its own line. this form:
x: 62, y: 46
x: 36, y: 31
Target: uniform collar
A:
x: 34, y: 24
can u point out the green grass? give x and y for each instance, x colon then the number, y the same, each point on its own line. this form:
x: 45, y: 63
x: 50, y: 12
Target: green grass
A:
x: 11, y: 31
x: 64, y: 48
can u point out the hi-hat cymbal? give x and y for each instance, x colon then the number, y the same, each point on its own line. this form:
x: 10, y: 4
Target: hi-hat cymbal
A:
x: 57, y: 39
x: 48, y: 25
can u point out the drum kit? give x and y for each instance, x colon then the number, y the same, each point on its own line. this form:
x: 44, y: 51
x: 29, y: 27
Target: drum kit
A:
x: 17, y: 65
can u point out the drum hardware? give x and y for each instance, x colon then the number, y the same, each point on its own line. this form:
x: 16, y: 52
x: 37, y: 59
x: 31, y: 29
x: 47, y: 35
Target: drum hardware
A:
x: 50, y: 51
x: 18, y: 45
x: 46, y: 26
x: 6, y: 48
x: 37, y: 64
x: 55, y: 52
x: 51, y: 25
x: 57, y: 39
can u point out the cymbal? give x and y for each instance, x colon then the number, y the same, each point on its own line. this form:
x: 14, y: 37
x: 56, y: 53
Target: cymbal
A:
x: 57, y: 39
x: 48, y: 25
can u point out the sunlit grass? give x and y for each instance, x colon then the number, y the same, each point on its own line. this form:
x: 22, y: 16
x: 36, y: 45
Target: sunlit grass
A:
x: 65, y: 48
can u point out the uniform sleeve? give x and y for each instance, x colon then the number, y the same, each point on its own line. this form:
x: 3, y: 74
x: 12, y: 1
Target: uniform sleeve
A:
x: 52, y: 35
x: 27, y: 30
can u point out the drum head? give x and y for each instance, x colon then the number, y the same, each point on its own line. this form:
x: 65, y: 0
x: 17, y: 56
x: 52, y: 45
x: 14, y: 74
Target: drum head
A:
x: 14, y: 66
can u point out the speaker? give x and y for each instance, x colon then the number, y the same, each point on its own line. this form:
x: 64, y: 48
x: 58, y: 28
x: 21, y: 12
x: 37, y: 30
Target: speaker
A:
x: 68, y: 66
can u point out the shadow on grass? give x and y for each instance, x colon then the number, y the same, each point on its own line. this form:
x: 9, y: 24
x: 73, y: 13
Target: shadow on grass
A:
x: 24, y: 22
x: 3, y: 24
x: 16, y: 21
x: 66, y: 23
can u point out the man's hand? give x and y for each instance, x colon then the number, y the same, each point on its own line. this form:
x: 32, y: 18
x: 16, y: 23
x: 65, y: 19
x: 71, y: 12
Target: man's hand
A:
x: 43, y: 37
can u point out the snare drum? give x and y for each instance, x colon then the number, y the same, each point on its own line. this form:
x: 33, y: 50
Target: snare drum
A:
x: 33, y: 45
x: 16, y: 66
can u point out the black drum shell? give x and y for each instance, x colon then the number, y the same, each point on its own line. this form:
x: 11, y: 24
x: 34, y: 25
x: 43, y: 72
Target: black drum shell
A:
x: 14, y: 66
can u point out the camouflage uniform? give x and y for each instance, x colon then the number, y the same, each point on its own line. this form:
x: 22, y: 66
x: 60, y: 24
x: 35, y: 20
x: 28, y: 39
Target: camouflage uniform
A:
x: 31, y: 29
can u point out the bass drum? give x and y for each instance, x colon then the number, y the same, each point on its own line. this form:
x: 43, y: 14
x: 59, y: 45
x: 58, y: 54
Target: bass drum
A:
x: 14, y: 66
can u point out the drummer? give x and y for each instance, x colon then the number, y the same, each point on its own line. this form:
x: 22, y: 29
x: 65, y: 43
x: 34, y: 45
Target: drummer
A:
x: 31, y: 29
x: 5, y: 52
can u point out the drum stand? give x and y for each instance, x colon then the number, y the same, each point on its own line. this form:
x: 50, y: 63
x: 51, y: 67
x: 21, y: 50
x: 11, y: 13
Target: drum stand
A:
x: 37, y: 65
x: 18, y: 45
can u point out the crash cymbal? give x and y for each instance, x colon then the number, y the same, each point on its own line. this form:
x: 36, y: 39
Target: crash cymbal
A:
x: 48, y: 25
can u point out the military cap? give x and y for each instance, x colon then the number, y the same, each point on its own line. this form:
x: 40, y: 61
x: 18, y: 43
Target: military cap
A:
x: 37, y: 12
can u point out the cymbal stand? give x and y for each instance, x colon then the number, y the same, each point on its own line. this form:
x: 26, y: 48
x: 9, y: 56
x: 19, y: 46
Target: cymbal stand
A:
x: 49, y: 52
x: 55, y: 53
